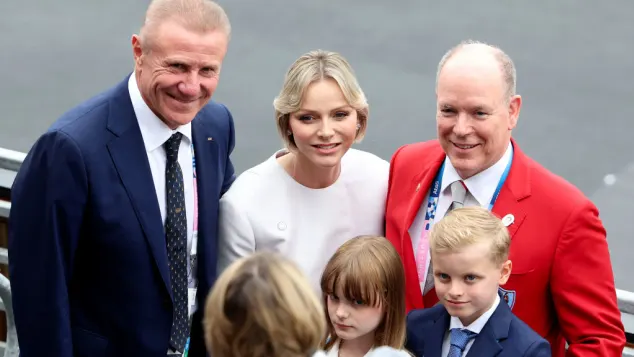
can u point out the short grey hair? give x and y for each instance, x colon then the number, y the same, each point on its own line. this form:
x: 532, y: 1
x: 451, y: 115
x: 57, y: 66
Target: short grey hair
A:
x: 509, y: 74
x: 196, y: 15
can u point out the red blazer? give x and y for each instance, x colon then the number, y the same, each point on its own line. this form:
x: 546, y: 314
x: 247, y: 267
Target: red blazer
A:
x: 562, y: 284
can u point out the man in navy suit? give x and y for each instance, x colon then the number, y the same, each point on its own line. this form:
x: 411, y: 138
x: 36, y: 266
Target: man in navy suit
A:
x: 469, y: 255
x: 112, y: 237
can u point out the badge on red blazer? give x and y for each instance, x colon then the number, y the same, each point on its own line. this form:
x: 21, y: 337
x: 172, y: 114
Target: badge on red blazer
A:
x: 508, y: 296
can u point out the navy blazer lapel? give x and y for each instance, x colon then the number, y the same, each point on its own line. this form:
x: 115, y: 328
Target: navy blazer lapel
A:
x: 487, y: 344
x: 130, y: 160
x: 435, y: 335
x: 207, y: 174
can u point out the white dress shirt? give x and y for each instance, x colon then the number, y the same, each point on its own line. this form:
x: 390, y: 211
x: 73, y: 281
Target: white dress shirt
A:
x: 481, y: 188
x: 476, y: 326
x: 155, y: 133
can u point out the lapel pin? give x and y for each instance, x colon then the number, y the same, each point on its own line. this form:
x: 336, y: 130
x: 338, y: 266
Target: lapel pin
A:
x: 508, y: 220
x: 281, y: 226
x: 210, y: 139
x: 418, y: 187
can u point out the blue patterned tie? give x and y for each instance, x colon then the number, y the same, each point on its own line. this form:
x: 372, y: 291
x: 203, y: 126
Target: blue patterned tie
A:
x: 459, y: 339
x: 176, y: 237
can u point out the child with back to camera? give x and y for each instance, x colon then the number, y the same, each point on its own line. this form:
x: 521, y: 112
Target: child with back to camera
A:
x: 469, y: 255
x: 263, y: 306
x: 363, y: 288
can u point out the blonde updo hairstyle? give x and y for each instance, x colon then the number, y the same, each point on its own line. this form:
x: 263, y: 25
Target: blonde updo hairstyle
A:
x: 311, y: 67
x: 263, y: 306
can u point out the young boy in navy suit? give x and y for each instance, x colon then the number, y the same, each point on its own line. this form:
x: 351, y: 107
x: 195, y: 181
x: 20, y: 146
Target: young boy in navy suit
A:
x: 469, y: 253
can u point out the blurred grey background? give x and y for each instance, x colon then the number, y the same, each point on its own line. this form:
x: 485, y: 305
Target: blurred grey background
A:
x: 574, y: 62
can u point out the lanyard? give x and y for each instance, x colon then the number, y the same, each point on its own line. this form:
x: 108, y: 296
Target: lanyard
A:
x: 195, y: 229
x: 430, y: 215
x: 194, y: 249
x: 434, y: 195
x: 186, y: 352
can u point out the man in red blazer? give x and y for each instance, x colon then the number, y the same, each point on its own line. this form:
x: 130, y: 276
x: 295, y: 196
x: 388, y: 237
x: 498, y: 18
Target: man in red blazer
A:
x: 562, y: 284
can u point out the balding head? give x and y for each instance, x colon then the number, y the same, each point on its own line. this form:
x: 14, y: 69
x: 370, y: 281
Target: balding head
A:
x: 477, y: 107
x: 484, y: 58
x: 201, y: 16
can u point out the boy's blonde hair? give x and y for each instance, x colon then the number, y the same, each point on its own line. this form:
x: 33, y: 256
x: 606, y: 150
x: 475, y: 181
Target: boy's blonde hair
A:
x: 263, y: 306
x: 463, y: 227
x: 369, y: 269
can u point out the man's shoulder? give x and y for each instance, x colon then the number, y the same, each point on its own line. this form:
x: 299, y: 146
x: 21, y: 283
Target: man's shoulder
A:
x: 412, y: 159
x: 418, y: 151
x: 85, y: 122
x: 547, y: 184
x: 216, y: 114
x: 415, y: 157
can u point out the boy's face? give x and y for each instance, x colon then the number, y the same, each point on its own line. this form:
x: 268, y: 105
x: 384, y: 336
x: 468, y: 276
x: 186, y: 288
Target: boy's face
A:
x: 467, y: 280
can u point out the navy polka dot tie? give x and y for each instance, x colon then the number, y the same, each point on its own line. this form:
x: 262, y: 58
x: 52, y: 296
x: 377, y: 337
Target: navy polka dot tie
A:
x: 176, y: 237
x: 459, y: 338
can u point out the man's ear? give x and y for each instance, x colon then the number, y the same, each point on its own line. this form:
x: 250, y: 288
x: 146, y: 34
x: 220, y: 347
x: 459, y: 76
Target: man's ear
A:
x: 137, y: 50
x: 515, y: 104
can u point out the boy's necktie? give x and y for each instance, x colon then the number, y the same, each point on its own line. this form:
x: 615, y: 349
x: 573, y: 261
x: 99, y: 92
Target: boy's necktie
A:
x: 459, y: 338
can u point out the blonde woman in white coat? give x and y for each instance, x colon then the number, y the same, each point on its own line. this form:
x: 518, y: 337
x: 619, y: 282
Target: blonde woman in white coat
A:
x: 306, y: 200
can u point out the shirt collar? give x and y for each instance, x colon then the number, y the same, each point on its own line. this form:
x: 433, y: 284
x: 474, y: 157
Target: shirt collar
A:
x: 482, y: 185
x: 477, y: 325
x: 154, y: 132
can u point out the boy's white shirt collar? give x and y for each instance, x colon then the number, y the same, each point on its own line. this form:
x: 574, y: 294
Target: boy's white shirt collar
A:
x: 477, y: 325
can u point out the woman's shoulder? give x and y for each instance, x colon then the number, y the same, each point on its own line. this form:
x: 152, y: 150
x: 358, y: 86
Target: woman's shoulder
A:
x: 259, y: 179
x: 363, y: 158
x: 364, y: 161
x: 358, y: 164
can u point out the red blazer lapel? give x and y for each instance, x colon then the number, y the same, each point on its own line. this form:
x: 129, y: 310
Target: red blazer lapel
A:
x: 515, y: 189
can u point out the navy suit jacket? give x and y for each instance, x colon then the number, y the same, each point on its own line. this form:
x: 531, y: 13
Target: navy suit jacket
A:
x: 504, y: 335
x: 87, y: 250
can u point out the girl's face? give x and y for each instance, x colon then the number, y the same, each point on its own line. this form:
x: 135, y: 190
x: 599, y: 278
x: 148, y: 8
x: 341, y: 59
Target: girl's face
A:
x: 353, y: 319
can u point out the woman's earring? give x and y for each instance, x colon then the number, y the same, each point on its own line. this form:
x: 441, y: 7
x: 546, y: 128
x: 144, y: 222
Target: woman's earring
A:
x: 358, y: 126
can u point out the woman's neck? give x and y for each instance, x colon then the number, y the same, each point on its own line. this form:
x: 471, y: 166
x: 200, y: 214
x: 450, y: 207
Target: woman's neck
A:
x: 357, y: 347
x: 308, y: 174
